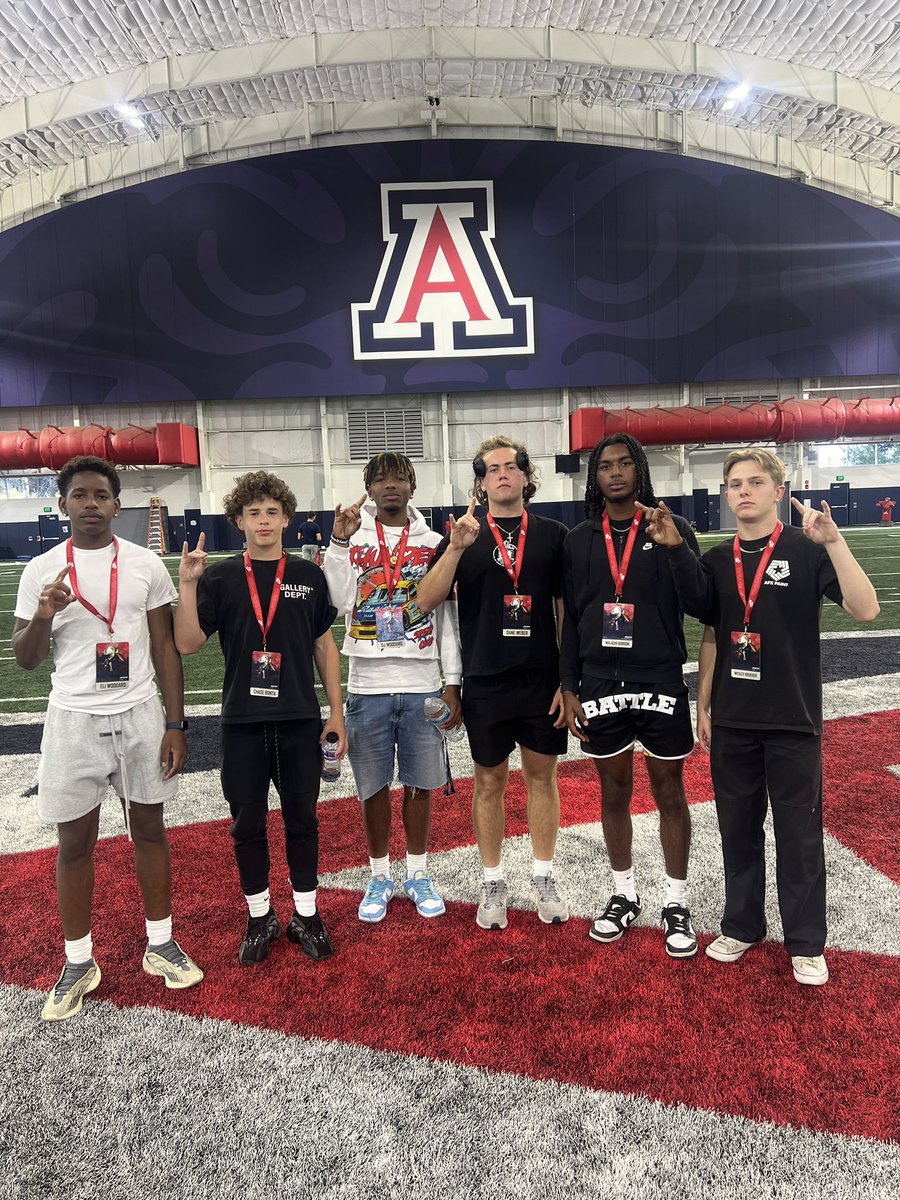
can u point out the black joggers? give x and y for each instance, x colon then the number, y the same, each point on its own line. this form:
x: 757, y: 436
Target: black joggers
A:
x: 751, y: 768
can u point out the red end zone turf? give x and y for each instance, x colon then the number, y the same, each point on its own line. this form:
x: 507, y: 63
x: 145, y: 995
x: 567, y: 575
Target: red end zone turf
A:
x: 539, y: 1001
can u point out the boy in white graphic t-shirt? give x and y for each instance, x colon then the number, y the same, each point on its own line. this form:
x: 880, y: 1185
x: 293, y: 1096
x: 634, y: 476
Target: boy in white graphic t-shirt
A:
x: 380, y: 548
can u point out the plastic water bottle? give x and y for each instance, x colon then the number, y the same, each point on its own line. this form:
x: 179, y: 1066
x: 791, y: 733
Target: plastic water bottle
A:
x: 331, y: 764
x: 437, y: 711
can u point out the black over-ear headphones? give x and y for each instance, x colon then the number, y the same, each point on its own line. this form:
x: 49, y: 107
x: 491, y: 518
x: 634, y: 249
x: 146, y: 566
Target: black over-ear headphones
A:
x: 522, y: 462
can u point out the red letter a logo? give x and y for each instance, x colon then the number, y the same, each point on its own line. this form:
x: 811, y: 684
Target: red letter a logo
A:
x: 440, y: 240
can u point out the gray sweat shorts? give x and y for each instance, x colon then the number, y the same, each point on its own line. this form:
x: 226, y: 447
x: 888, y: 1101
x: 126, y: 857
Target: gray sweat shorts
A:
x: 83, y: 755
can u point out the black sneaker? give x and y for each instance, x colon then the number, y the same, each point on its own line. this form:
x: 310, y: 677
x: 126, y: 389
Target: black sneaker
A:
x: 616, y: 917
x: 310, y: 934
x: 681, y: 940
x: 261, y: 932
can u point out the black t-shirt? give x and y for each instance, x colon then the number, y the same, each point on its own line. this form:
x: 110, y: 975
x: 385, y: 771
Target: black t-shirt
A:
x: 786, y: 614
x: 309, y: 533
x: 304, y: 613
x: 482, y: 582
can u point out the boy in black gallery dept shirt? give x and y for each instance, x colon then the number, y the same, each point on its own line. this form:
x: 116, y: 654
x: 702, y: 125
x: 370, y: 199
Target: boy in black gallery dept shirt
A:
x: 507, y: 571
x: 759, y: 701
x: 273, y: 615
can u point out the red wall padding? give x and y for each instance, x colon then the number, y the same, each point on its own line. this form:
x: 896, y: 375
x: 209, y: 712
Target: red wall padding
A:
x: 170, y: 445
x: 787, y: 421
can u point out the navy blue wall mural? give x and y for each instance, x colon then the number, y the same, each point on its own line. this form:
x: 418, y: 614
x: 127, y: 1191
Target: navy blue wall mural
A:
x: 443, y: 266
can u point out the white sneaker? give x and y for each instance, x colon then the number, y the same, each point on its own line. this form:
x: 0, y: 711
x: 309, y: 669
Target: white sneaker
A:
x: 810, y: 968
x: 728, y: 949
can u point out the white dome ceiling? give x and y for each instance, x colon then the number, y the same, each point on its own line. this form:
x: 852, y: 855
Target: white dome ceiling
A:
x: 97, y: 93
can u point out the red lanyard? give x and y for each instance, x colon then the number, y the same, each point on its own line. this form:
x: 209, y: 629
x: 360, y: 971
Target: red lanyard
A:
x: 512, y: 571
x: 760, y: 571
x: 113, y: 585
x: 619, y: 570
x: 254, y: 593
x: 391, y: 576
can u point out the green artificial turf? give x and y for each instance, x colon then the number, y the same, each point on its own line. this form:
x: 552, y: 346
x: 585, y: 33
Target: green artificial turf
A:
x: 877, y: 550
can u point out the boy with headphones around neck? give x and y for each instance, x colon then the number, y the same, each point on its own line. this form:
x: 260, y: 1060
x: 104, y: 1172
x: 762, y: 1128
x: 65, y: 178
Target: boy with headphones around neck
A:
x: 507, y: 571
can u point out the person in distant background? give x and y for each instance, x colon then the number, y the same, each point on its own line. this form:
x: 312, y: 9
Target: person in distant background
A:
x: 310, y: 536
x: 887, y: 508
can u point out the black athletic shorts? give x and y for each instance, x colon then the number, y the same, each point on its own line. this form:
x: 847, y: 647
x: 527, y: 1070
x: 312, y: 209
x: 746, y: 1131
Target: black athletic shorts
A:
x: 502, y: 711
x: 619, y: 714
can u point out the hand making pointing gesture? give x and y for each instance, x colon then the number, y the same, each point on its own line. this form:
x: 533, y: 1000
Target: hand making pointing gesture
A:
x: 55, y: 595
x: 464, y: 532
x: 192, y: 564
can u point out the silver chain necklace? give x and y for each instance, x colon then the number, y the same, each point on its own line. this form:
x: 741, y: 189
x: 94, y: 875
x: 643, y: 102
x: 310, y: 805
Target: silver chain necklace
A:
x: 508, y: 536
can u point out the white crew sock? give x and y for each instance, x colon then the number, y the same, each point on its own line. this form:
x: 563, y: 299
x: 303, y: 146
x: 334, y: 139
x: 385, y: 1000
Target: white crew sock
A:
x: 305, y: 903
x: 675, y: 891
x: 542, y: 868
x: 81, y: 950
x: 493, y: 874
x: 416, y: 862
x: 381, y: 866
x: 159, y: 932
x: 259, y: 903
x: 623, y: 884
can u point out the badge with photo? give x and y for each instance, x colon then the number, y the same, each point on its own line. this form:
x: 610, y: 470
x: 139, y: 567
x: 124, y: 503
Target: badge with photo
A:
x: 618, y: 625
x: 389, y: 624
x: 746, y: 655
x: 111, y: 666
x: 265, y: 673
x: 517, y: 616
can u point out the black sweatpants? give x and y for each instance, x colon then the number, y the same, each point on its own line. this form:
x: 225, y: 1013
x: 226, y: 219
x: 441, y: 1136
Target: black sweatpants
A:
x: 286, y: 753
x: 750, y: 768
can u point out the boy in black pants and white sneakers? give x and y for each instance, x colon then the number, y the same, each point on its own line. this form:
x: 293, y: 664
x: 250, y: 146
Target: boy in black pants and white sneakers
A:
x: 759, y: 701
x: 273, y: 615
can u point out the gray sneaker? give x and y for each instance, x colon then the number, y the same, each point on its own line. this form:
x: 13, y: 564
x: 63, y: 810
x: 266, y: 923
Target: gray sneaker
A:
x: 492, y: 909
x: 76, y: 980
x: 170, y: 961
x: 551, y: 907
